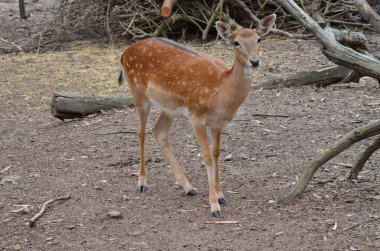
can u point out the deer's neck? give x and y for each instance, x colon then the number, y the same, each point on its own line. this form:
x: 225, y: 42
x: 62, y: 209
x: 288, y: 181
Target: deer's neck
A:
x: 239, y: 81
x: 235, y: 88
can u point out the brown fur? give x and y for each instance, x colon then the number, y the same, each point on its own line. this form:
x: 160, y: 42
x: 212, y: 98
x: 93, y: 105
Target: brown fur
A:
x: 183, y: 83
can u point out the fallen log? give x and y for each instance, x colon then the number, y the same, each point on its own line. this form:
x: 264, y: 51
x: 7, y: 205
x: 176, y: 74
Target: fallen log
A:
x: 320, y: 78
x: 69, y: 106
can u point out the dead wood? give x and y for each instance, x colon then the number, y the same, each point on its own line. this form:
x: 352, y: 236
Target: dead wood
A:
x: 368, y: 13
x: 355, y: 40
x: 323, y: 77
x: 212, y: 19
x: 356, y: 135
x: 362, y: 159
x: 69, y: 106
x: 320, y: 78
x: 365, y: 64
x: 133, y: 20
x: 167, y: 7
x: 32, y: 221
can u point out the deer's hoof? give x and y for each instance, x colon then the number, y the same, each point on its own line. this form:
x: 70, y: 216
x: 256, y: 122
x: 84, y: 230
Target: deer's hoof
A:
x: 142, y: 189
x: 216, y: 214
x: 191, y: 192
x: 222, y: 201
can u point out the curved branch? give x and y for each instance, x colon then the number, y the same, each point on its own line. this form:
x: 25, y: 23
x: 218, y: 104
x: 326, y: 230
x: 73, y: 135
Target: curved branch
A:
x: 360, y: 133
x: 362, y: 159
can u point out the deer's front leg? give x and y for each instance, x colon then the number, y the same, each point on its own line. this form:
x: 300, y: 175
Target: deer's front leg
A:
x: 200, y: 131
x: 215, y: 145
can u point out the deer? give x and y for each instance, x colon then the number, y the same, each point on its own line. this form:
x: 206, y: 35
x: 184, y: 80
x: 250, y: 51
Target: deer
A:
x: 183, y: 83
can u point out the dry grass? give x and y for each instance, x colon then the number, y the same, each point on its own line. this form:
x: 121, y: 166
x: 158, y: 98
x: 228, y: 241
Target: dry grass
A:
x: 84, y: 69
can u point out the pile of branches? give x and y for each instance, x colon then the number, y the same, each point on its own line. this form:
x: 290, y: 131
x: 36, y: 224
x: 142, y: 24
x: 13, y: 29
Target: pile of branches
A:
x: 137, y: 19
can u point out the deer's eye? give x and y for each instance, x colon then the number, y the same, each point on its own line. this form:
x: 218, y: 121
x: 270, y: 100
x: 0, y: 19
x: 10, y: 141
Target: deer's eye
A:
x: 236, y: 43
x: 259, y: 40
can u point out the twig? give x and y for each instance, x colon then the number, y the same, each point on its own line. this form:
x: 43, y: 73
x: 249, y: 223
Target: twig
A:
x: 270, y: 115
x: 248, y: 11
x: 5, y: 169
x: 117, y: 132
x: 107, y: 24
x: 212, y: 20
x: 44, y: 207
x: 360, y: 223
x: 222, y: 222
x: 9, y: 42
x: 291, y: 35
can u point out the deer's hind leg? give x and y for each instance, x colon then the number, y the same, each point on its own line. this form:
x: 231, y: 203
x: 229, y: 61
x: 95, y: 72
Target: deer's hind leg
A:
x: 160, y: 132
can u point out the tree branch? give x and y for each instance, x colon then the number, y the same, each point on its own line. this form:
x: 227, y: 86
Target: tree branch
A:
x: 360, y: 133
x: 362, y: 159
x: 365, y: 64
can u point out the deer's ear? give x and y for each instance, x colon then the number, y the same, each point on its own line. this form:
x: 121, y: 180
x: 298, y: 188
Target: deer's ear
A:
x: 266, y: 25
x: 224, y: 30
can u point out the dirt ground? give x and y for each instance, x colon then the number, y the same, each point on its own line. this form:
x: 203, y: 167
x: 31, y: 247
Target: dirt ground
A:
x: 95, y: 160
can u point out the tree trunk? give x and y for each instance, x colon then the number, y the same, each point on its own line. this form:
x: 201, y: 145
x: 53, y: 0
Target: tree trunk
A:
x: 68, y: 106
x: 23, y: 14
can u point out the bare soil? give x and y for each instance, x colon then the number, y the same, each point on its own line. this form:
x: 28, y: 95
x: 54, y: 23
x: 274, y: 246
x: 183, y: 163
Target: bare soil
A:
x: 95, y: 160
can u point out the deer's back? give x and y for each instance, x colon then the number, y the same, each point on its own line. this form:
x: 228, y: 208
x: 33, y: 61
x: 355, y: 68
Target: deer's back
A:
x: 172, y: 75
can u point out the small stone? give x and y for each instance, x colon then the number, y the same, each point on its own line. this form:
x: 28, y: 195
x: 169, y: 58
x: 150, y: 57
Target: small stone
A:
x: 114, y: 214
x: 244, y: 156
x: 25, y: 210
x: 71, y: 226
x: 228, y: 157
x: 49, y: 238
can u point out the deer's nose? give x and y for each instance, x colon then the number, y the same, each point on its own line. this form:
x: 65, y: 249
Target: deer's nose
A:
x: 254, y: 63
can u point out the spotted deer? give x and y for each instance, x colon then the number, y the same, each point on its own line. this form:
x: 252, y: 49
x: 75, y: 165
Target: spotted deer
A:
x: 183, y: 83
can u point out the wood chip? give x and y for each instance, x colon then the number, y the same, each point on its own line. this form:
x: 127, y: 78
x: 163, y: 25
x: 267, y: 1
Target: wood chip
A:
x: 5, y: 169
